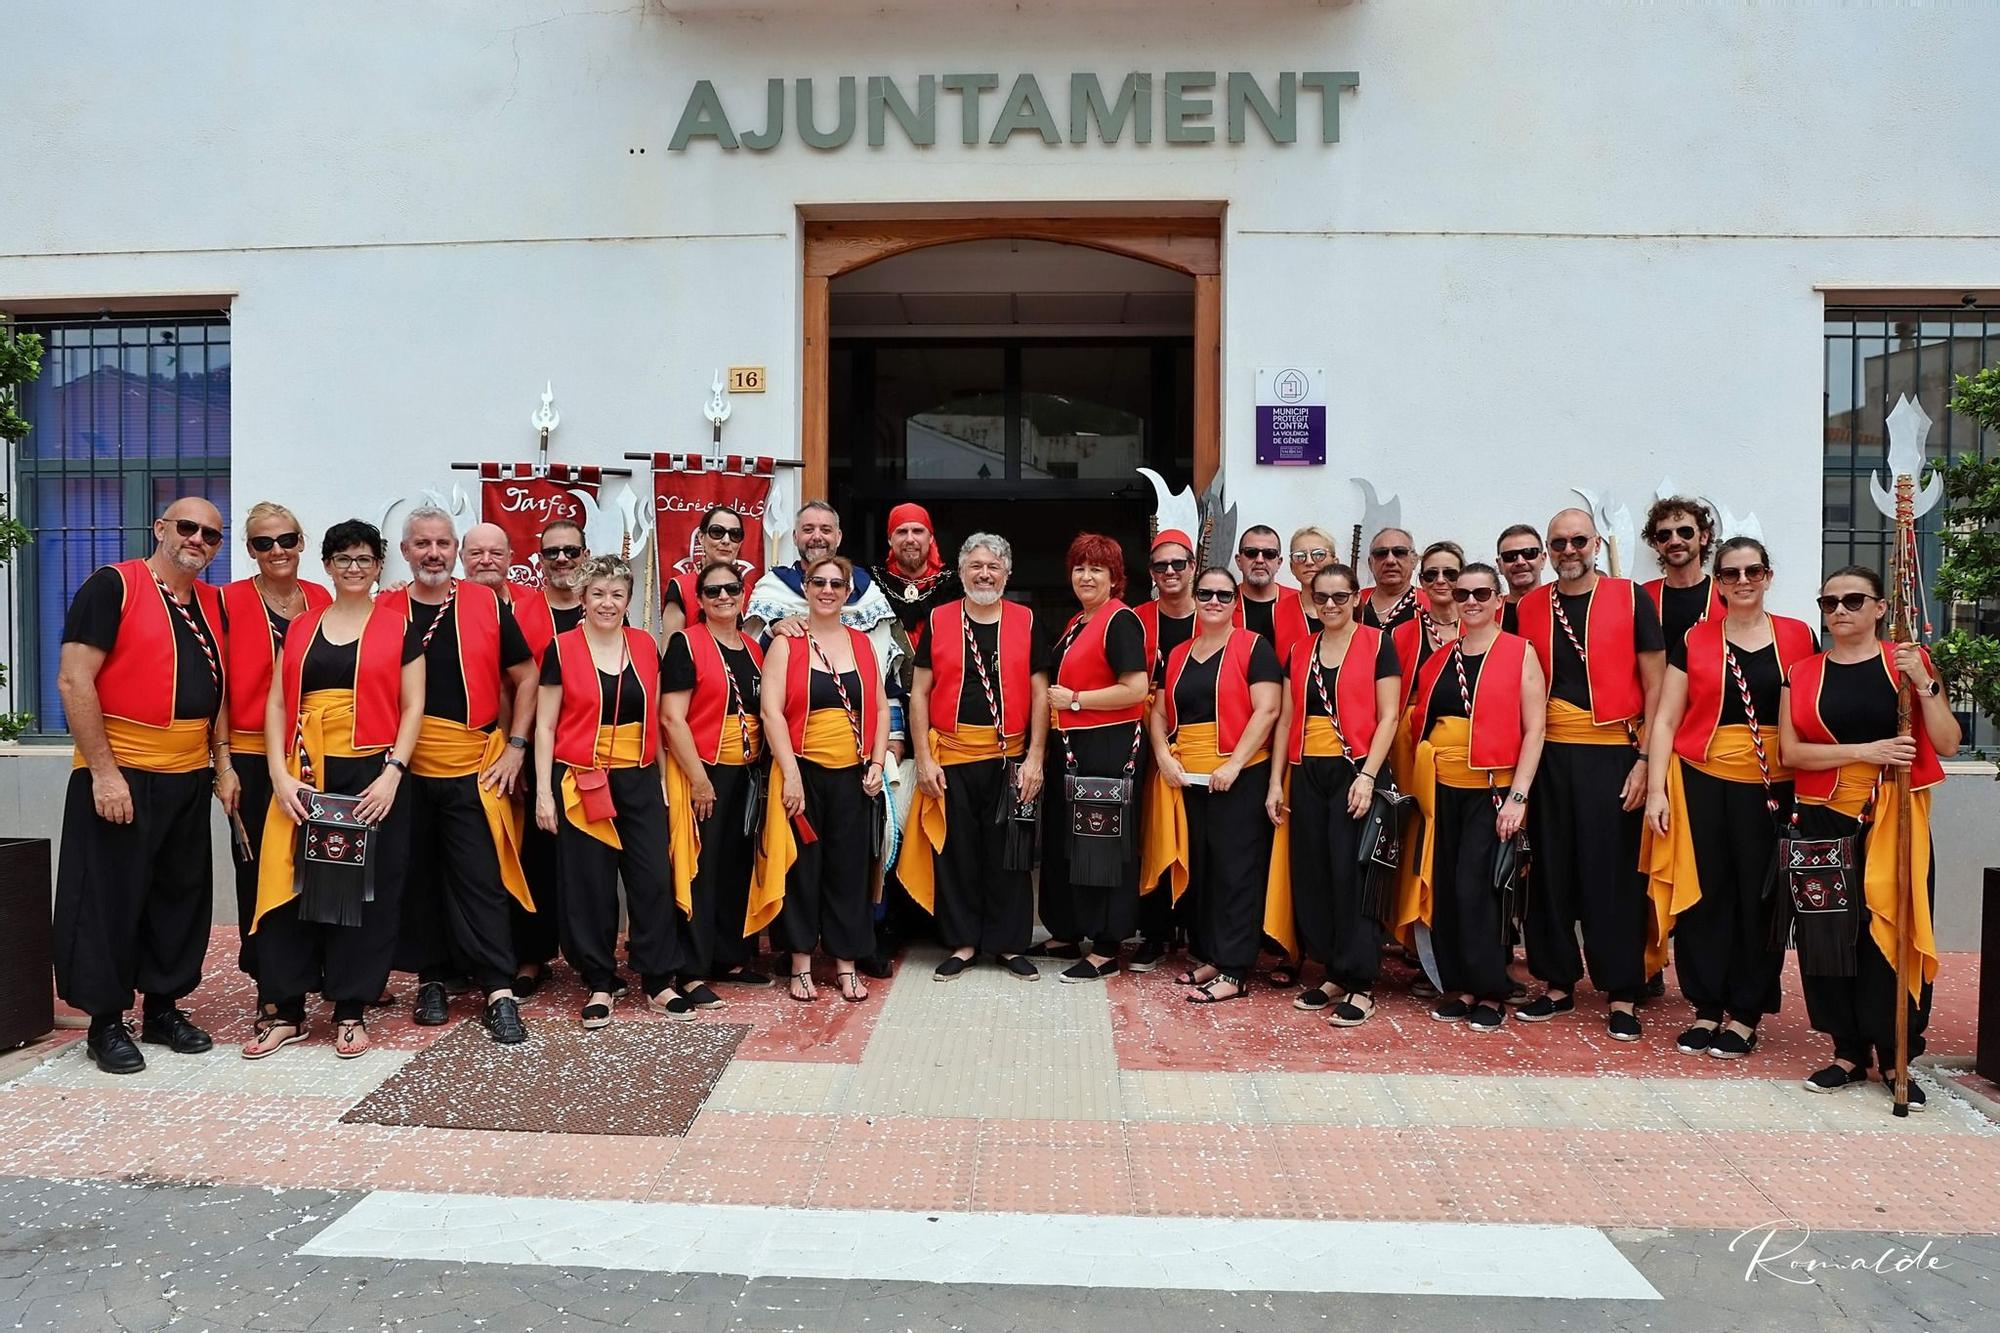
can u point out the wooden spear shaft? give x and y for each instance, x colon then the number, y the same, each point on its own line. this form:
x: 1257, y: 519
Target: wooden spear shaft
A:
x: 1906, y: 900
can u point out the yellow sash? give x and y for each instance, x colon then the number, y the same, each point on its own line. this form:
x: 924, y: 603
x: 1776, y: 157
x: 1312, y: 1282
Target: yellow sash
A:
x: 1163, y: 831
x: 924, y: 826
x: 1278, y: 884
x: 683, y: 830
x: 1570, y: 725
x: 246, y: 742
x: 1672, y: 882
x: 1850, y: 796
x: 1321, y: 741
x: 829, y: 740
x: 627, y: 745
x: 328, y: 724
x: 179, y: 747
x: 1443, y: 759
x: 447, y: 749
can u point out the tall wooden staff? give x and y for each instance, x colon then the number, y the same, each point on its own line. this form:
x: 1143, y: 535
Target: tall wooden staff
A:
x: 1902, y: 502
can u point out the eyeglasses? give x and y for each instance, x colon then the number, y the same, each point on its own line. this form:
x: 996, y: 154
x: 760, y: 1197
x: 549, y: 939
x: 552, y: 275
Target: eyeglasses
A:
x: 187, y: 527
x: 1433, y: 575
x: 1744, y: 574
x: 1259, y: 552
x: 1385, y: 552
x: 822, y: 581
x: 1522, y: 555
x: 1847, y: 601
x: 561, y: 552
x: 284, y: 541
x: 1332, y: 598
x: 1561, y: 544
x: 717, y: 533
x: 1316, y: 553
x: 354, y: 562
x: 1479, y: 595
x: 1174, y: 566
x: 1685, y: 532
x: 729, y: 589
x: 1223, y: 595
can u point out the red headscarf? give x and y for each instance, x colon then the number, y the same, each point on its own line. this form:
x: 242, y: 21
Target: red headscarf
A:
x: 1174, y: 535
x: 916, y: 513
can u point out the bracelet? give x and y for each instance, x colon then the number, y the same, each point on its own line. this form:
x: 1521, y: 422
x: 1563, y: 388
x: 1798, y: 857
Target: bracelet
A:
x: 1369, y: 776
x: 395, y: 763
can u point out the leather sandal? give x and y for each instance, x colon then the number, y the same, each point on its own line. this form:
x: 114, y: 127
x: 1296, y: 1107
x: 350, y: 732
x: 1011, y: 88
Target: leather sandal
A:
x: 852, y: 988
x: 262, y: 1042
x: 1345, y: 1013
x: 350, y: 1038
x: 1205, y: 993
x: 801, y: 988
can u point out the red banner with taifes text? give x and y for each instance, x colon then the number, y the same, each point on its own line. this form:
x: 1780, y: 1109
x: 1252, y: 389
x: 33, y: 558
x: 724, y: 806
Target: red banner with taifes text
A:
x: 686, y: 486
x: 524, y: 501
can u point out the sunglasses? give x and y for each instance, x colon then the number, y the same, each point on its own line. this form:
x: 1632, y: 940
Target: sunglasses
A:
x: 1259, y: 552
x: 354, y: 562
x: 822, y: 581
x: 1847, y: 601
x: 284, y: 541
x: 717, y: 533
x: 187, y: 527
x: 1480, y: 595
x: 1521, y: 556
x: 561, y: 552
x: 1561, y: 544
x: 1171, y: 566
x: 1433, y: 575
x: 727, y: 589
x: 1223, y: 595
x: 1685, y: 532
x: 1332, y: 598
x: 1385, y: 552
x: 1317, y: 553
x: 1745, y: 574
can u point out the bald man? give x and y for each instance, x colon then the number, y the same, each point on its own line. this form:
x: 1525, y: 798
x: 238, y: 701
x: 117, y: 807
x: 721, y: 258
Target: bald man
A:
x: 1392, y: 558
x: 1600, y: 645
x: 141, y: 680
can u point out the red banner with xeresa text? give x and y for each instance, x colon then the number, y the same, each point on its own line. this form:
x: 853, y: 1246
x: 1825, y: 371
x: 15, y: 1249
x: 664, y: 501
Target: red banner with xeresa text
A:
x: 524, y: 499
x: 686, y: 486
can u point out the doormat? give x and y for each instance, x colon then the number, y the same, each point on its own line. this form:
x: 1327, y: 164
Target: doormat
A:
x: 636, y: 1078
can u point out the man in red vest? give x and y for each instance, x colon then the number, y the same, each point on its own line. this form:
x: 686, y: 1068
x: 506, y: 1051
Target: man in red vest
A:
x: 1681, y: 532
x: 1600, y: 646
x: 465, y: 828
x: 1169, y: 622
x: 979, y: 722
x: 1260, y: 553
x: 542, y: 613
x: 1393, y: 598
x: 141, y: 680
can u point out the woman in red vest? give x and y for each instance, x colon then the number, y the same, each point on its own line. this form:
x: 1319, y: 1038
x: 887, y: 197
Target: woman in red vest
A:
x: 1478, y: 711
x: 828, y: 728
x: 1435, y: 624
x: 1838, y: 730
x: 597, y: 736
x: 1090, y: 865
x: 255, y: 614
x: 1210, y: 726
x: 1331, y: 743
x: 710, y: 676
x: 344, y: 719
x: 1717, y: 794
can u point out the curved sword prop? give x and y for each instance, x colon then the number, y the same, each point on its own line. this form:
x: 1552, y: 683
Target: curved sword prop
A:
x: 1909, y: 427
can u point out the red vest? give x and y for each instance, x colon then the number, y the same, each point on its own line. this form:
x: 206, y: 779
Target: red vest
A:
x: 1612, y: 664
x: 131, y: 684
x: 708, y: 702
x: 1715, y: 610
x: 1806, y: 679
x: 946, y: 625
x: 1084, y: 667
x: 798, y: 682
x: 1289, y: 621
x: 1149, y: 624
x: 1232, y: 688
x: 251, y: 651
x: 1496, y: 700
x: 1408, y: 636
x: 582, y: 706
x: 532, y: 614
x: 378, y: 673
x: 1353, y: 691
x: 1709, y: 680
x: 690, y: 593
x: 476, y: 608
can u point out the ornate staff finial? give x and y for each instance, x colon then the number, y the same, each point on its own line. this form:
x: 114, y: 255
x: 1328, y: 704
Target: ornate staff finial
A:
x: 1909, y: 428
x: 545, y: 418
x: 717, y: 408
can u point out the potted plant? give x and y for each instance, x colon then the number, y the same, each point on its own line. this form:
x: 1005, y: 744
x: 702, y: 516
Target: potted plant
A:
x: 27, y: 1000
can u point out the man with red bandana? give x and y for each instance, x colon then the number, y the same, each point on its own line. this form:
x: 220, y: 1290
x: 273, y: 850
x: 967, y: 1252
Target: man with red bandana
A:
x: 914, y: 578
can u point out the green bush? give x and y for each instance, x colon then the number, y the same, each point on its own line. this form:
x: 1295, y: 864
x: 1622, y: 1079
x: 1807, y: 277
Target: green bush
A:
x: 20, y: 363
x: 1970, y: 572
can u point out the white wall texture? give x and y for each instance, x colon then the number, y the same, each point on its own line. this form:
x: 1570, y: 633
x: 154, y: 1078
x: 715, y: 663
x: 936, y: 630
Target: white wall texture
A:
x: 1560, y: 242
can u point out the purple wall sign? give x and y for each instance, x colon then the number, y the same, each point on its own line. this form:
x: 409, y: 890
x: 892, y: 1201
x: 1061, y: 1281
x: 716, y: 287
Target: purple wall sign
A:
x: 1291, y: 417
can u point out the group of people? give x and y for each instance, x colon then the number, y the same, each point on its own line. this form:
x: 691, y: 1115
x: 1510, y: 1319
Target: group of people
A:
x: 1454, y: 759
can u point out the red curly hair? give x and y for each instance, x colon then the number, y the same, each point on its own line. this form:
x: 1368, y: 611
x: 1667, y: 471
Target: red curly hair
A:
x: 1094, y: 548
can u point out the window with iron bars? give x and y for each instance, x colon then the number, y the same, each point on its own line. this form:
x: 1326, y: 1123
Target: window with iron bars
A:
x: 130, y: 413
x: 1874, y: 355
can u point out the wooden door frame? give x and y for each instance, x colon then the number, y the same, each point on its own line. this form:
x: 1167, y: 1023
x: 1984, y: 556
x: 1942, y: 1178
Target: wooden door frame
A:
x: 1190, y: 245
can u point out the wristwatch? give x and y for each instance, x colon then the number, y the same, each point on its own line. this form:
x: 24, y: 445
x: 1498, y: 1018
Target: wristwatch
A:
x: 1518, y: 797
x: 393, y: 762
x: 517, y: 742
x: 1076, y: 704
x: 1930, y: 691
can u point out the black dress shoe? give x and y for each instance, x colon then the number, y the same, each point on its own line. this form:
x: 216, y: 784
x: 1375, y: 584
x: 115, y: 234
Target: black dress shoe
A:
x: 876, y: 966
x: 432, y: 1011
x: 503, y: 1021
x: 172, y: 1029
x: 111, y: 1046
